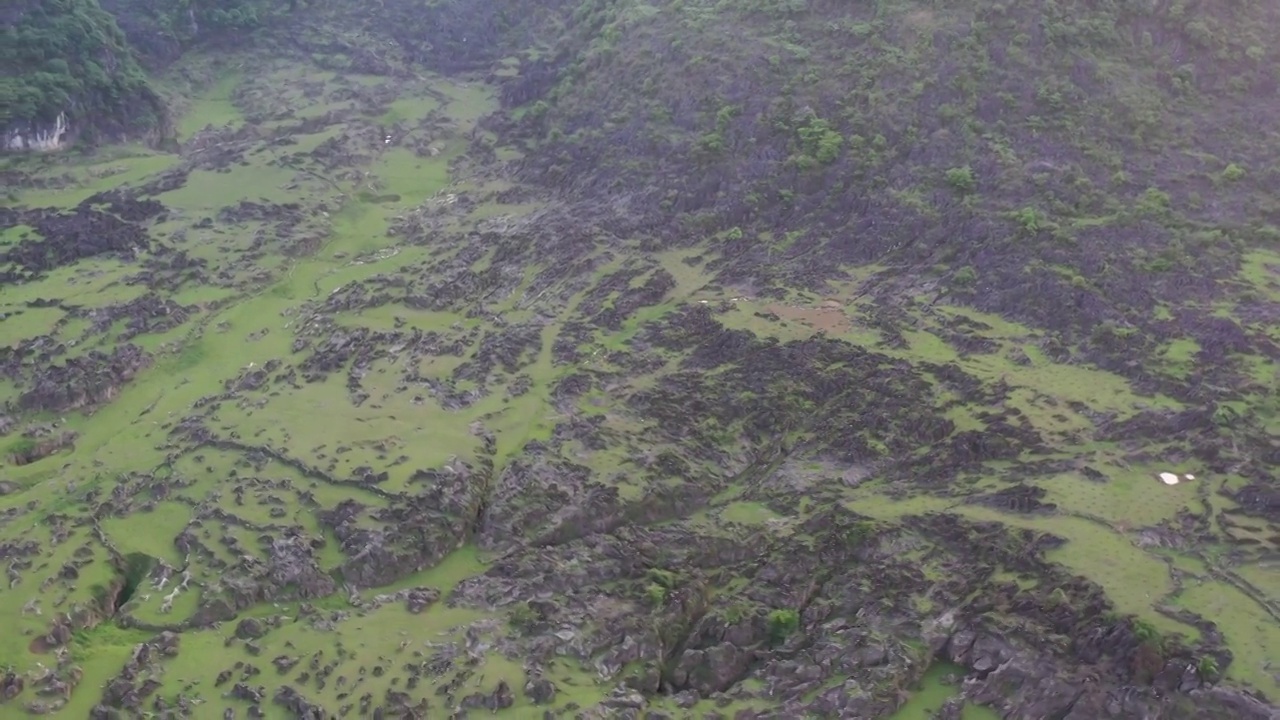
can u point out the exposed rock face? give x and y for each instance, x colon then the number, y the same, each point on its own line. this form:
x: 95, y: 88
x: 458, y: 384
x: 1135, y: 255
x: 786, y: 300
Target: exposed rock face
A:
x: 38, y: 137
x: 11, y: 686
x: 297, y: 705
x: 40, y: 447
x: 135, y: 684
x: 250, y: 629
x: 85, y: 381
x: 405, y: 539
x: 1020, y: 682
x: 63, y: 238
x: 291, y: 570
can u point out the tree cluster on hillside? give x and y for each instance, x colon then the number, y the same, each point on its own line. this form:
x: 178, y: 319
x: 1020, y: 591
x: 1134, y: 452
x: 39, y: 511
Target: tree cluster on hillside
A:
x: 65, y: 56
x: 80, y: 57
x: 161, y: 29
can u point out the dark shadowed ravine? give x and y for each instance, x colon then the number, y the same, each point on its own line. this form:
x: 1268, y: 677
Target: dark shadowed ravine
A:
x: 641, y: 359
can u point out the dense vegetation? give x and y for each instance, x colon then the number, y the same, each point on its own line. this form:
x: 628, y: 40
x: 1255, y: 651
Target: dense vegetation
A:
x: 72, y: 56
x: 161, y: 29
x: 762, y: 359
x: 69, y: 56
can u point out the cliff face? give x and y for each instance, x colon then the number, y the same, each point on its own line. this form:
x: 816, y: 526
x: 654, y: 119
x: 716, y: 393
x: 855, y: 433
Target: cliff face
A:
x: 37, y: 136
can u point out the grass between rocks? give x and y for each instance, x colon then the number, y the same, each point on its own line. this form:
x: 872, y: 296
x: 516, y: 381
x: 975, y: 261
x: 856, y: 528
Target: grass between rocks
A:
x: 261, y: 293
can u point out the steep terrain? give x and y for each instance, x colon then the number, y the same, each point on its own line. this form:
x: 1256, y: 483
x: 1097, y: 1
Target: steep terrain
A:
x: 67, y: 70
x: 161, y: 30
x: 71, y: 69
x: 767, y: 359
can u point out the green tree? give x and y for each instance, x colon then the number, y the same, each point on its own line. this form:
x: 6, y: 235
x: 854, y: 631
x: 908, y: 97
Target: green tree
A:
x: 819, y: 142
x: 782, y: 623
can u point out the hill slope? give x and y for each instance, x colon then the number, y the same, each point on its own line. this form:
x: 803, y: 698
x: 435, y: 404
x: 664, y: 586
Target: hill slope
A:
x: 660, y: 359
x: 72, y: 73
x: 1018, y: 147
x: 67, y: 68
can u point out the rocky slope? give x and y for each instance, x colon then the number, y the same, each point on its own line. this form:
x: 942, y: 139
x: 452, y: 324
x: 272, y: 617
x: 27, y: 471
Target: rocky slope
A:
x: 660, y: 359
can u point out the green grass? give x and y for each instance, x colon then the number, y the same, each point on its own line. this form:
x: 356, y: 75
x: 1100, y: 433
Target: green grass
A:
x: 1180, y: 355
x: 934, y: 691
x: 116, y: 438
x: 206, y: 191
x: 467, y: 561
x: 106, y: 636
x: 413, y: 178
x: 13, y: 235
x: 163, y: 524
x: 277, y: 294
x: 367, y: 637
x: 24, y: 626
x: 1135, y: 580
x: 214, y: 107
x: 1261, y: 269
x: 410, y: 109
x: 1251, y: 633
x: 23, y: 323
x: 1133, y: 496
x: 747, y: 513
x: 1042, y: 390
x: 102, y: 170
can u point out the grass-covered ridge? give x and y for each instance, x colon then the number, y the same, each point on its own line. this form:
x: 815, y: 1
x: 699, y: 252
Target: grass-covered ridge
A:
x: 674, y: 360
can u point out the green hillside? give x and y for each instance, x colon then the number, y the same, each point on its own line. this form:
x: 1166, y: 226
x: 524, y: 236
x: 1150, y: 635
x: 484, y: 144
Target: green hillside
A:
x: 68, y: 56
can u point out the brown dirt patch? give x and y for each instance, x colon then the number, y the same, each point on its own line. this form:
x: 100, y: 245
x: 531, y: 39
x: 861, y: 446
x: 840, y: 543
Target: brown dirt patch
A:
x: 827, y: 317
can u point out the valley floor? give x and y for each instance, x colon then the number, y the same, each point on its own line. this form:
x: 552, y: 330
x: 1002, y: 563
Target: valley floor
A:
x: 329, y: 411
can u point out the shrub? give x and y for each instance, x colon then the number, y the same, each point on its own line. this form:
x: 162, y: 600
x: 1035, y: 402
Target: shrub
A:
x: 1145, y: 632
x: 1147, y: 663
x: 819, y: 141
x: 1030, y: 220
x: 711, y: 143
x: 961, y: 178
x: 663, y: 578
x: 736, y: 613
x: 21, y: 446
x: 522, y: 616
x: 1208, y: 667
x: 1154, y: 201
x: 782, y: 623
